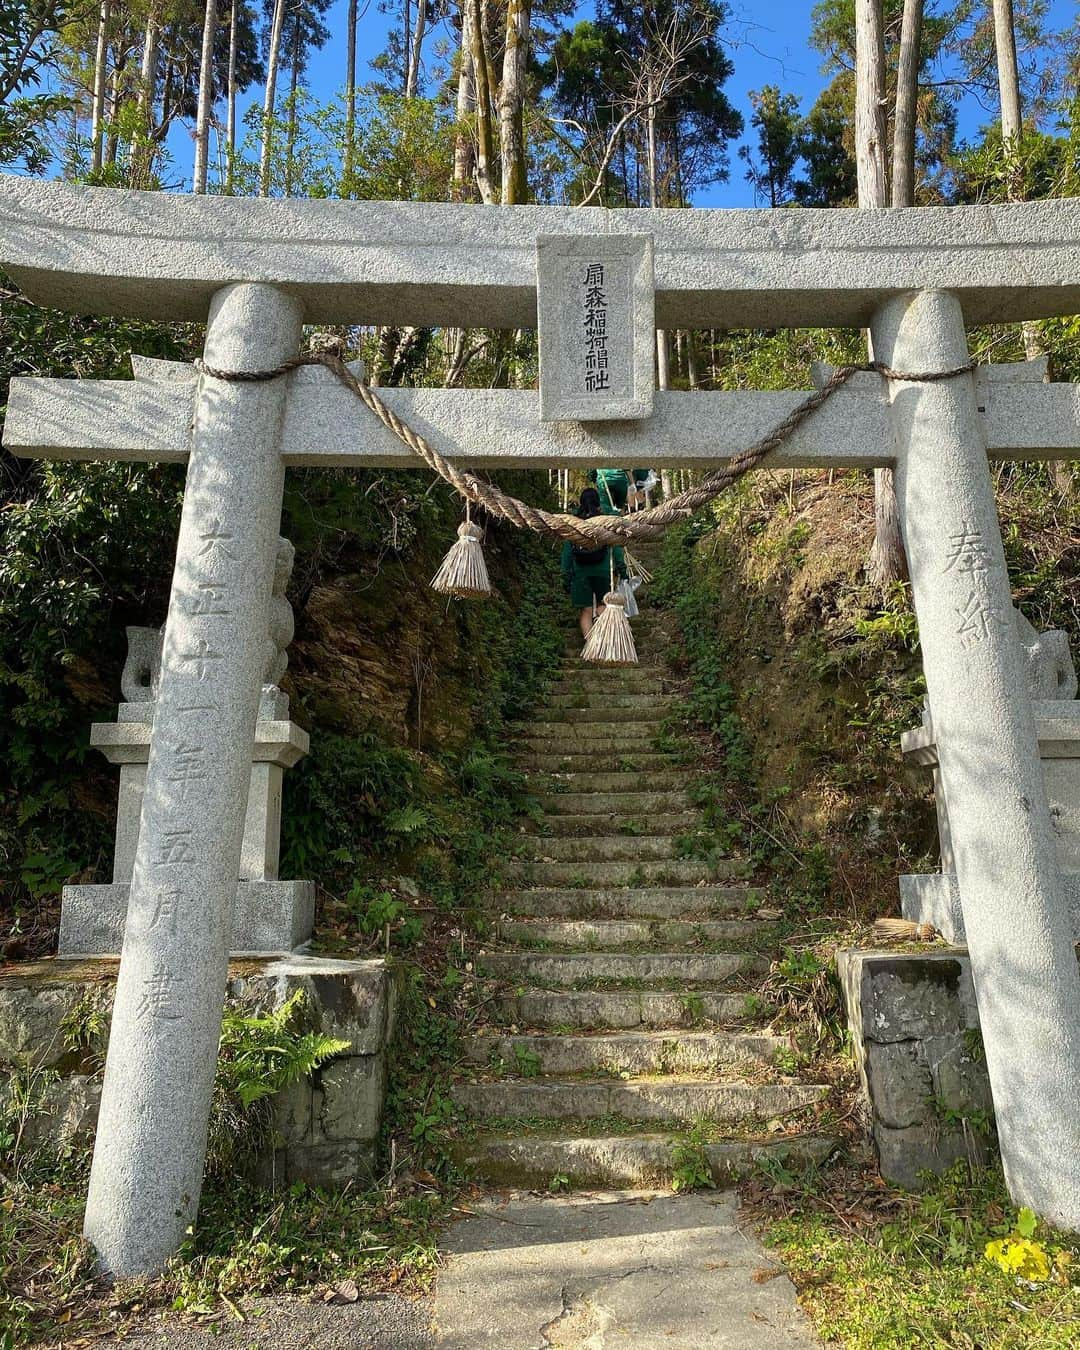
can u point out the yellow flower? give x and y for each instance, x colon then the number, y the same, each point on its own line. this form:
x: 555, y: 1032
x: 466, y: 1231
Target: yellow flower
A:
x: 1020, y: 1256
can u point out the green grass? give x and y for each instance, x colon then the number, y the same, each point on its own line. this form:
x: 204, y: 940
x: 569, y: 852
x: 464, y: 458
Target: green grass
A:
x: 884, y: 1270
x: 249, y: 1242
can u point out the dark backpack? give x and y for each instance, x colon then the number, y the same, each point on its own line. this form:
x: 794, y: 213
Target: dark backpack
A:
x: 589, y: 557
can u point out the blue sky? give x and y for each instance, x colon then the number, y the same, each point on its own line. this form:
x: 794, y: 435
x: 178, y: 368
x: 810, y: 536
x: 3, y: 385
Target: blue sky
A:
x: 769, y: 46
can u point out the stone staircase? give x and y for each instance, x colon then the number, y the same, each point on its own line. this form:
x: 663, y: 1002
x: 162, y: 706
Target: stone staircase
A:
x: 620, y: 1031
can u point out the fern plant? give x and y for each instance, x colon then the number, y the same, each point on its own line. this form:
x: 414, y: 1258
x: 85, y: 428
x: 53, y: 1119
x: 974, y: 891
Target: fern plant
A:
x: 259, y: 1055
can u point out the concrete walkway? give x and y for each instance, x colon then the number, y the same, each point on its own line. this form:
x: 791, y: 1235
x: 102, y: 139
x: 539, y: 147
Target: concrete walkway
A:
x: 627, y: 1270
x: 613, y: 1271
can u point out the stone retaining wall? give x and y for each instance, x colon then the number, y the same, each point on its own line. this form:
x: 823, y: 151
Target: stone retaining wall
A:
x: 915, y: 1032
x: 326, y: 1127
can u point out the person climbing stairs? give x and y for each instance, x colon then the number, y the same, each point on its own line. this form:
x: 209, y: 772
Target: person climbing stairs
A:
x: 625, y: 1042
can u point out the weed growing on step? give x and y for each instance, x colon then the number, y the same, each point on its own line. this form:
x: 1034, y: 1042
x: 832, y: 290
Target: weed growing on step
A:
x: 803, y: 988
x: 690, y: 1170
x: 526, y: 1061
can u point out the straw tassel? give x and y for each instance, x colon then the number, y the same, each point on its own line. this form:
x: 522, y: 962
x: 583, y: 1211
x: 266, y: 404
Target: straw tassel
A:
x: 904, y: 930
x: 463, y: 572
x: 635, y: 569
x: 610, y: 642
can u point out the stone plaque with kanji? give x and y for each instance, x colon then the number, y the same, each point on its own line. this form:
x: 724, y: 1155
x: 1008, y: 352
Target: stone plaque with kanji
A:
x: 597, y: 327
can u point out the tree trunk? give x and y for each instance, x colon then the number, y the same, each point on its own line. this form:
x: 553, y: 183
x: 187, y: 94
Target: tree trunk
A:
x: 1012, y: 122
x: 350, y: 98
x: 663, y: 360
x: 230, y: 105
x: 1008, y: 70
x: 269, y: 98
x: 457, y: 338
x: 412, y: 75
x: 292, y: 127
x: 870, y: 122
x: 663, y: 355
x: 101, y: 61
x: 143, y: 155
x: 886, y: 563
x: 206, y: 97
x: 406, y: 44
x: 168, y: 98
x: 693, y: 374
x: 116, y: 79
x: 663, y: 381
x: 512, y: 102
x: 907, y: 97
x: 478, y: 52
x: 466, y: 102
x: 148, y: 68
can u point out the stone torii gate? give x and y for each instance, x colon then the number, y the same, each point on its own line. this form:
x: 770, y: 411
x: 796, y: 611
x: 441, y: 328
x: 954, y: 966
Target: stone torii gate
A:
x: 257, y: 270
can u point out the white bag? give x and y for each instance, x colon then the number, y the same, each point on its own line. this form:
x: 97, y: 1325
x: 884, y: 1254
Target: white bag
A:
x: 627, y: 592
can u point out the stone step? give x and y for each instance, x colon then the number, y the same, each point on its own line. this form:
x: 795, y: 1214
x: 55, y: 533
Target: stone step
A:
x: 652, y: 656
x: 628, y: 1052
x: 670, y: 823
x: 600, y: 934
x: 566, y: 969
x: 651, y: 619
x: 597, y: 761
x: 667, y: 1099
x: 541, y: 735
x: 619, y: 804
x: 628, y: 872
x: 621, y: 744
x: 649, y: 713
x: 609, y: 781
x: 618, y: 1009
x: 582, y: 679
x: 655, y: 902
x: 601, y: 848
x: 605, y: 698
x: 623, y: 1161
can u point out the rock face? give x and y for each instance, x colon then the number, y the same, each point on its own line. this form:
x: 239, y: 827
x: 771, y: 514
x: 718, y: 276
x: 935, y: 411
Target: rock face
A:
x: 915, y: 1030
x: 325, y: 1128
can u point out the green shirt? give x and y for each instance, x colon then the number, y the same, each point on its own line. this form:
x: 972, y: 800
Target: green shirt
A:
x: 572, y: 566
x: 613, y: 486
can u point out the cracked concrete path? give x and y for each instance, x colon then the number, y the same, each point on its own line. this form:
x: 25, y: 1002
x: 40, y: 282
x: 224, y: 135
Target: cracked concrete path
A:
x: 613, y: 1271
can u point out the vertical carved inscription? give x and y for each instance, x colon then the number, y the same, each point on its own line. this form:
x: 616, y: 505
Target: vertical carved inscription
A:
x: 968, y: 560
x: 597, y: 376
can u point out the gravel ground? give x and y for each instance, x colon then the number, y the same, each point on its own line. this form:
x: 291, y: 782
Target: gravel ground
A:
x: 387, y: 1322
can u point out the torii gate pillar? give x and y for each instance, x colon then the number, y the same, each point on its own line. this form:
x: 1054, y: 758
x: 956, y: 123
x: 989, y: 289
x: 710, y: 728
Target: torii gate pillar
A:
x: 1019, y: 936
x: 159, y: 1073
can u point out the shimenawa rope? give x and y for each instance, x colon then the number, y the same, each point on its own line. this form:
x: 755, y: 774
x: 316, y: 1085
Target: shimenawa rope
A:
x: 648, y: 524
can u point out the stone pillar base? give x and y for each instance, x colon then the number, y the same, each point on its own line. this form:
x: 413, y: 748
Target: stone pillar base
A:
x: 269, y: 916
x: 934, y: 897
x: 326, y: 1128
x: 915, y: 1032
